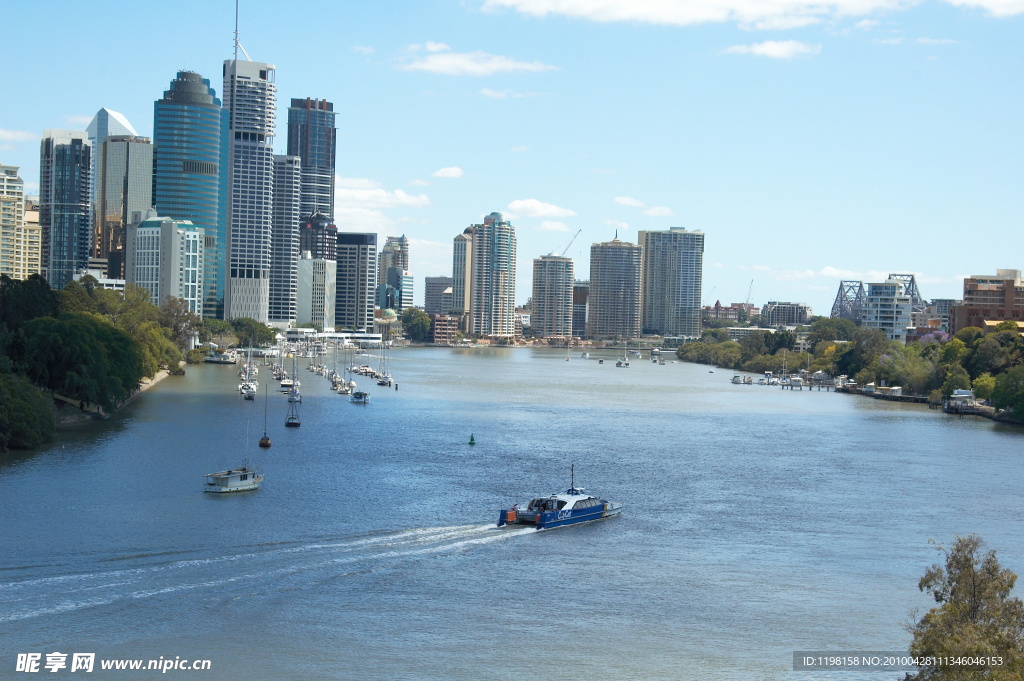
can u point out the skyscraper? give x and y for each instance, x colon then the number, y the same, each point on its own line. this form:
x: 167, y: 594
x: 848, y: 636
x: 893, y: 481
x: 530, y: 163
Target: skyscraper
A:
x: 394, y: 253
x: 124, y: 185
x: 614, y: 297
x: 319, y: 235
x: 65, y: 162
x: 284, y: 253
x: 493, y: 304
x: 433, y: 295
x: 12, y: 220
x: 311, y: 136
x: 316, y: 290
x: 165, y: 257
x: 103, y: 124
x: 462, y: 276
x: 580, y: 293
x: 250, y: 97
x: 189, y: 139
x: 551, y: 304
x: 673, y: 262
x: 356, y: 282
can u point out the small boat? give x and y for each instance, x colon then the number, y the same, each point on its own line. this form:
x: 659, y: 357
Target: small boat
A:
x: 600, y: 361
x: 737, y: 380
x: 235, y: 480
x: 661, y: 362
x: 618, y: 363
x: 249, y: 394
x: 359, y: 398
x: 710, y: 371
x: 762, y: 381
x: 748, y: 380
x: 294, y: 396
x: 568, y: 508
x: 265, y: 440
x: 585, y: 355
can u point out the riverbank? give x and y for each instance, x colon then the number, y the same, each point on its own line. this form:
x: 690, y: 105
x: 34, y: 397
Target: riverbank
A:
x: 69, y: 413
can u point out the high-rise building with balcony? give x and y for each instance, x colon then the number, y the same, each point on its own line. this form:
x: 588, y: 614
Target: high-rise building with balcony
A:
x: 316, y: 291
x: 165, y: 257
x: 777, y: 313
x: 887, y: 307
x: 551, y: 303
x: 284, y: 253
x: 12, y: 220
x: 65, y: 171
x: 672, y: 270
x: 462, y: 276
x: 493, y: 303
x: 433, y: 295
x: 614, y: 298
x: 356, y: 282
x: 250, y: 97
x: 124, y: 185
x: 190, y: 136
x: 580, y: 292
x: 312, y: 137
x: 394, y: 253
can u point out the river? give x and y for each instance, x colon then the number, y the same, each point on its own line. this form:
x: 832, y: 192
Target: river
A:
x: 757, y: 522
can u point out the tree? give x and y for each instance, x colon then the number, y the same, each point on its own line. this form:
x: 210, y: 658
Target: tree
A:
x: 1009, y: 392
x: 216, y: 328
x: 76, y: 298
x: 825, y: 328
x: 989, y: 357
x: 957, y: 378
x: 416, y: 323
x: 954, y: 352
x: 969, y: 334
x: 183, y: 322
x: 246, y: 328
x: 26, y: 420
x: 1007, y: 325
x: 975, y: 615
x: 24, y: 300
x: 983, y: 386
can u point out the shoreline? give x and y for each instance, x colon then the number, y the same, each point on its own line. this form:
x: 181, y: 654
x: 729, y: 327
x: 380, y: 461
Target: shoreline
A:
x: 80, y: 417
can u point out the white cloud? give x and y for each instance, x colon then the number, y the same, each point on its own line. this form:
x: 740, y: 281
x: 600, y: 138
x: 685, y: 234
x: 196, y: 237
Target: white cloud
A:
x: 17, y: 135
x: 602, y: 171
x: 361, y: 193
x: 764, y: 14
x: 6, y: 147
x: 554, y: 226
x: 518, y: 149
x: 362, y: 49
x: 776, y: 49
x: 718, y: 264
x: 889, y: 41
x: 436, y: 47
x: 616, y: 224
x: 629, y: 201
x: 76, y: 119
x: 450, y: 172
x: 420, y: 183
x: 866, y: 24
x: 471, y: 64
x: 538, y: 209
x: 936, y: 41
x: 494, y: 94
x: 659, y: 212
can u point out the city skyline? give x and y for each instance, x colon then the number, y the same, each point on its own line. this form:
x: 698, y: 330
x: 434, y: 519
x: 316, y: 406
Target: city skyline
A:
x: 782, y: 141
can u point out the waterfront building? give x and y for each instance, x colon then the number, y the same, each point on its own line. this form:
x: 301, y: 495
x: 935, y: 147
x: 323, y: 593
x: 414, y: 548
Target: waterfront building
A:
x: 165, y: 257
x: 443, y: 329
x: 394, y: 253
x: 580, y: 293
x: 462, y: 276
x: 551, y: 308
x: 123, y: 186
x: 316, y: 290
x: 100, y: 275
x: 250, y: 97
x: 493, y: 305
x: 887, y: 307
x: 357, y: 281
x: 28, y: 240
x: 614, y: 296
x: 284, y: 252
x: 12, y: 220
x: 190, y: 177
x: 433, y: 295
x: 775, y: 313
x: 989, y: 297
x: 311, y: 137
x: 672, y: 272
x: 104, y: 124
x: 396, y: 290
x: 65, y: 172
x: 319, y: 235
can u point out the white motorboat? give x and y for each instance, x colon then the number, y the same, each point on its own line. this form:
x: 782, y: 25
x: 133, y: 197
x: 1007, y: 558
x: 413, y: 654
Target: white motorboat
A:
x: 235, y: 480
x: 736, y: 380
x: 359, y: 398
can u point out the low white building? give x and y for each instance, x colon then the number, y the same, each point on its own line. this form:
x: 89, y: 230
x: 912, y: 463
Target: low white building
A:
x: 887, y: 307
x: 315, y: 296
x: 165, y: 257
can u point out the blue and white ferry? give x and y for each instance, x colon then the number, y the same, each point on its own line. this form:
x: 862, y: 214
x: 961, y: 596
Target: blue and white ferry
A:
x: 573, y: 506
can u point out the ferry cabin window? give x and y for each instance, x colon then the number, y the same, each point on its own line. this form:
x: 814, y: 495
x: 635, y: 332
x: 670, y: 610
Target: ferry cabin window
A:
x: 244, y: 477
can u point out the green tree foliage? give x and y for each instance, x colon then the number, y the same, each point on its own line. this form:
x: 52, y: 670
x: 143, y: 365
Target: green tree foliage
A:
x: 906, y: 367
x: 75, y: 297
x: 1007, y: 325
x: 1009, y: 392
x: 989, y: 356
x: 957, y: 378
x: 969, y: 334
x: 416, y: 323
x: 182, y: 322
x: 26, y: 420
x: 866, y: 346
x: 983, y: 386
x: 247, y: 328
x: 24, y: 300
x: 974, y: 616
x: 954, y: 352
x: 827, y: 329
x: 216, y: 330
x: 196, y: 356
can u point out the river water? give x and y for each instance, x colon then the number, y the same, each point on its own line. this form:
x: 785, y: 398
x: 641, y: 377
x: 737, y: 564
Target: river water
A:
x: 757, y: 522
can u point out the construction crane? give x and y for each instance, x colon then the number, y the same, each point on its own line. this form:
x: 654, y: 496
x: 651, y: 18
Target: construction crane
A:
x: 570, y: 241
x: 749, y: 290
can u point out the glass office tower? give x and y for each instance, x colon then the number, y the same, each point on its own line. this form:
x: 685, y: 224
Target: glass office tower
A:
x: 65, y: 173
x: 189, y: 130
x: 124, y: 185
x: 312, y: 136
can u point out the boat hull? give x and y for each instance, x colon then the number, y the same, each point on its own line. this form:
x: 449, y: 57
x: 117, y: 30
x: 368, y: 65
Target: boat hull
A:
x: 549, y: 519
x: 218, y: 489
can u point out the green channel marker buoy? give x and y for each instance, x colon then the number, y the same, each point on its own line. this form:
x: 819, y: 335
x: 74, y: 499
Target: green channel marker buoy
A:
x: 472, y: 441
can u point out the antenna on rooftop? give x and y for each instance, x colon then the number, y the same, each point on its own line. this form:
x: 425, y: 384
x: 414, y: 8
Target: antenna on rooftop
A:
x: 238, y: 44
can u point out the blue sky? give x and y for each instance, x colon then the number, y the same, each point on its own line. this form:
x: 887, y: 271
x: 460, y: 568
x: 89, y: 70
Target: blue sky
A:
x: 809, y: 141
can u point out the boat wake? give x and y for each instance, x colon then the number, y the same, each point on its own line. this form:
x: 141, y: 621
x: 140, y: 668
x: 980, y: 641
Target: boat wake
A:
x: 60, y: 594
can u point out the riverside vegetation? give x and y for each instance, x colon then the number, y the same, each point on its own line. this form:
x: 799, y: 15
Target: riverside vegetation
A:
x: 991, y: 364
x: 88, y: 344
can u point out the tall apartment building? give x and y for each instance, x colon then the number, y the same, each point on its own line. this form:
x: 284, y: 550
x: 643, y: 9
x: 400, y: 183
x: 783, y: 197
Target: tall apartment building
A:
x: 493, y: 305
x: 433, y: 294
x: 284, y: 252
x: 462, y: 276
x: 580, y: 293
x: 102, y: 125
x: 672, y: 271
x: 614, y: 298
x: 190, y: 151
x: 250, y: 97
x: 394, y: 253
x: 988, y: 297
x: 123, y: 186
x: 887, y: 306
x: 165, y: 257
x: 319, y: 235
x: 12, y: 220
x: 396, y: 291
x: 776, y: 313
x: 357, y: 281
x: 316, y: 290
x: 65, y: 163
x: 312, y: 137
x: 551, y: 303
